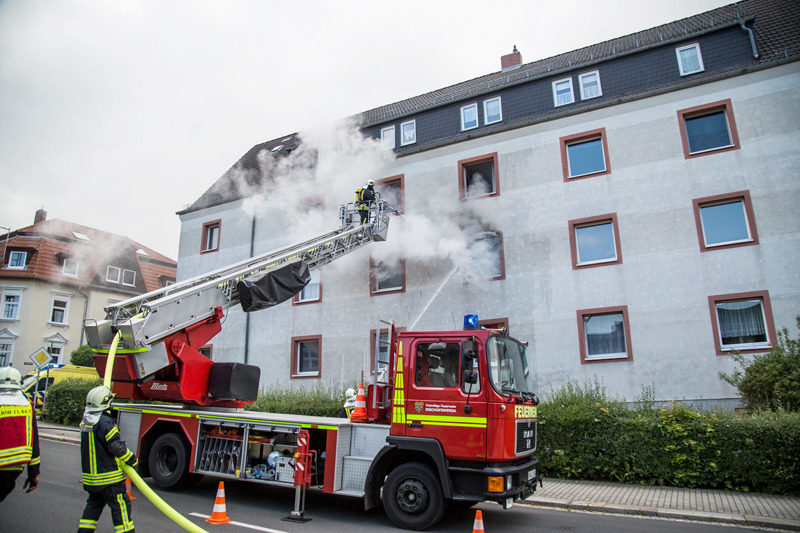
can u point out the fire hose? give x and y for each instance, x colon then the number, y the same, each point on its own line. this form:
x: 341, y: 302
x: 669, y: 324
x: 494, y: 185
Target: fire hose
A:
x: 160, y: 504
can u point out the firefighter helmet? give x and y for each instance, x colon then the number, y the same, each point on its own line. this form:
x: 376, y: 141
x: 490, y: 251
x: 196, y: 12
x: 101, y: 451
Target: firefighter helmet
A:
x: 99, y: 399
x: 10, y: 378
x: 370, y: 183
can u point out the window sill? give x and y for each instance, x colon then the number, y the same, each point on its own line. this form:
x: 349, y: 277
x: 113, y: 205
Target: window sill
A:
x: 314, y: 375
x: 15, y: 321
x: 58, y: 325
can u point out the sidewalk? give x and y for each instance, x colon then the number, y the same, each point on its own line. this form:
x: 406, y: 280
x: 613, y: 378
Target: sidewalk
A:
x: 740, y: 508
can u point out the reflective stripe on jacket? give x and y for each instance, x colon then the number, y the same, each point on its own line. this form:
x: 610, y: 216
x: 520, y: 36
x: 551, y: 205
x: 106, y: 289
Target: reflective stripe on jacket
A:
x: 99, y: 465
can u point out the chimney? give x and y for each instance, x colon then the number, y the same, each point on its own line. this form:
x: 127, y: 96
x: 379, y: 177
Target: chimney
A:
x: 40, y: 216
x: 511, y: 61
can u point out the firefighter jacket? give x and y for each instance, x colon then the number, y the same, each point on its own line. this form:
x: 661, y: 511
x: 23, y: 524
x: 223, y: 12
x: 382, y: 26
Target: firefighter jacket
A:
x: 101, y: 446
x: 19, y: 434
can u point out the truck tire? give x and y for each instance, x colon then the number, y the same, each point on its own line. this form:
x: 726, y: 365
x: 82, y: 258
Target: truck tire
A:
x: 412, y: 497
x: 169, y: 461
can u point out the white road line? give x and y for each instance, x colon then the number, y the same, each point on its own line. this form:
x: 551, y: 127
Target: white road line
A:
x: 242, y: 524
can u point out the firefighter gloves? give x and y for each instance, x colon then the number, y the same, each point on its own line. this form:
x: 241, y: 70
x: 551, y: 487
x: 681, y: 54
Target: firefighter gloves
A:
x: 31, y: 483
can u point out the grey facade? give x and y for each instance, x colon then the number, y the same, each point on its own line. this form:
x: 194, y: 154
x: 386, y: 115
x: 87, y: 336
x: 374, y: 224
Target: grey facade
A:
x: 664, y: 306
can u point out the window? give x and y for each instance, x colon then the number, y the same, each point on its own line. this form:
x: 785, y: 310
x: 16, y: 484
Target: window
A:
x: 392, y: 191
x: 306, y: 360
x: 492, y: 111
x: 437, y: 364
x: 6, y: 350
x: 70, y: 267
x: 562, y: 92
x: 708, y: 129
x: 689, y: 59
x: 604, y: 334
x: 489, y: 256
x: 12, y: 298
x: 59, y: 311
x: 595, y: 241
x: 742, y: 322
x: 469, y: 117
x: 113, y: 274
x: 211, y: 231
x: 16, y: 260
x: 312, y: 292
x: 584, y: 154
x: 387, y: 137
x: 129, y: 277
x: 55, y: 352
x: 207, y: 351
x: 387, y: 276
x: 725, y: 221
x: 478, y: 177
x: 408, y: 132
x: 590, y: 85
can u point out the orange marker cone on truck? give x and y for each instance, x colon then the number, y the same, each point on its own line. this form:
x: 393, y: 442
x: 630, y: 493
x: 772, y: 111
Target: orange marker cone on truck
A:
x: 478, y: 525
x: 219, y: 515
x: 359, y: 413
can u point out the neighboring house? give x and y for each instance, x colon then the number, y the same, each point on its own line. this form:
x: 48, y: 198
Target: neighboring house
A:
x: 55, y: 274
x: 639, y: 200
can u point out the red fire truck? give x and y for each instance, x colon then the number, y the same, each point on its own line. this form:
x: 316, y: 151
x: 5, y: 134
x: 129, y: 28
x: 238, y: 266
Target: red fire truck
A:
x: 450, y: 415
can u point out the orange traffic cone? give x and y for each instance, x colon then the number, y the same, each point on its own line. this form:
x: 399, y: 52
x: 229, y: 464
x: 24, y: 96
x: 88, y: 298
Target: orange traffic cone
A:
x: 478, y: 525
x: 128, y: 488
x: 219, y: 515
x: 359, y: 413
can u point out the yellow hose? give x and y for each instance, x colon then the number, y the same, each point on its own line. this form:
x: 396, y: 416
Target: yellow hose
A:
x: 162, y: 506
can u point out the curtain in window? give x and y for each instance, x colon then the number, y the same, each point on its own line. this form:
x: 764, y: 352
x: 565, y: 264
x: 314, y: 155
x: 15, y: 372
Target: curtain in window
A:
x: 10, y: 307
x: 741, y: 320
x: 605, y: 334
x: 690, y: 60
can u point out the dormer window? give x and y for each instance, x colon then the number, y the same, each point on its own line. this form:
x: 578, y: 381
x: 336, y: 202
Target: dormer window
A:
x: 562, y: 92
x: 70, y: 267
x: 408, y: 132
x: 113, y: 274
x: 16, y: 260
x: 129, y: 277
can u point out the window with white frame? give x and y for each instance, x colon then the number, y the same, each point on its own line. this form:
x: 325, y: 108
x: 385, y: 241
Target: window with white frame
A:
x: 492, y: 111
x: 210, y: 237
x: 113, y: 274
x: 387, y: 276
x: 469, y: 117
x: 312, y: 291
x: 70, y: 267
x: 6, y: 349
x: 742, y: 322
x: 12, y: 298
x: 16, y: 260
x: 387, y: 137
x: 59, y: 310
x: 690, y: 61
x: 306, y: 361
x: 408, y: 132
x: 595, y: 241
x: 55, y: 350
x: 562, y: 92
x: 129, y: 277
x: 590, y: 85
x: 725, y: 220
x: 605, y: 334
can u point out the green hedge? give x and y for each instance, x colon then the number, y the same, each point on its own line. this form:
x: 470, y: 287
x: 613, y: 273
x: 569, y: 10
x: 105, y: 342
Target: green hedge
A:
x: 66, y: 400
x: 316, y: 401
x: 583, y: 435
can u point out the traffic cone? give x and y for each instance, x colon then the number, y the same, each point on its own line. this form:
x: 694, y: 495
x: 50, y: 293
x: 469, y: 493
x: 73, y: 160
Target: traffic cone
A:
x: 477, y: 527
x: 128, y: 488
x: 219, y: 515
x: 359, y: 413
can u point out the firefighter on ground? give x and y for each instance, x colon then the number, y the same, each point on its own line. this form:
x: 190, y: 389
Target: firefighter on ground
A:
x: 19, y: 434
x: 365, y: 200
x: 102, y: 452
x: 349, y: 403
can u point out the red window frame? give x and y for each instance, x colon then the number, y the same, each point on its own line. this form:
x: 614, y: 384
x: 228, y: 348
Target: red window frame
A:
x: 462, y: 190
x: 747, y: 202
x: 585, y: 360
x: 706, y: 109
x: 577, y: 138
x: 206, y: 227
x: 766, y: 305
x: 293, y: 370
x: 593, y: 221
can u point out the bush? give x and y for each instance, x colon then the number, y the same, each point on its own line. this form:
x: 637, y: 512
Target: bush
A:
x: 770, y: 380
x: 585, y: 435
x: 66, y: 400
x: 316, y: 401
x: 82, y: 356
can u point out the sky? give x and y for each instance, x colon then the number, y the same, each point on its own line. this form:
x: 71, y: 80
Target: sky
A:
x: 117, y: 114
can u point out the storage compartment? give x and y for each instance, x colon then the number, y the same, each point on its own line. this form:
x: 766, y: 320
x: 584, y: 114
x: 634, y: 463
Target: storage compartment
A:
x: 220, y: 451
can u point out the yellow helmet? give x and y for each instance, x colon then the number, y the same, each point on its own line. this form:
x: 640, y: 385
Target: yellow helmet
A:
x: 10, y: 378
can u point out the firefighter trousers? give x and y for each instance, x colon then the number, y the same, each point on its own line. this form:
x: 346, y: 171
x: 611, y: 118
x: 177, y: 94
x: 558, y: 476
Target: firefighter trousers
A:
x: 8, y: 479
x: 116, y: 497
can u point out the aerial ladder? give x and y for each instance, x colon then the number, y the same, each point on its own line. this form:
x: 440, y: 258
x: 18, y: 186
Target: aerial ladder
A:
x: 161, y: 332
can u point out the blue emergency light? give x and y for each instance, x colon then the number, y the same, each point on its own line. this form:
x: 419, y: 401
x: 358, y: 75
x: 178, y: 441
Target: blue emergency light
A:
x: 471, y: 322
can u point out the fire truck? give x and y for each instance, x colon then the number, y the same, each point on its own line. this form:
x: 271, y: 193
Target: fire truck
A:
x: 449, y: 417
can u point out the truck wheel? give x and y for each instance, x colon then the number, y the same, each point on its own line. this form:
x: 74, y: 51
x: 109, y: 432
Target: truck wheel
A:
x: 412, y: 497
x: 169, y: 461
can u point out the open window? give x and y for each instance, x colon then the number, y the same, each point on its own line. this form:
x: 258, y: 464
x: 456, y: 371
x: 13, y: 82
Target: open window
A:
x: 392, y: 191
x: 211, y: 235
x: 478, y: 177
x: 387, y: 276
x: 742, y: 322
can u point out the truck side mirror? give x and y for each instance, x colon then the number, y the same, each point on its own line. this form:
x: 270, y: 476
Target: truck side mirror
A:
x: 469, y: 352
x: 470, y: 377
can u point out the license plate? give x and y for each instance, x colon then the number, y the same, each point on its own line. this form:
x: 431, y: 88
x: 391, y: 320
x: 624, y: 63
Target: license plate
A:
x: 531, y: 474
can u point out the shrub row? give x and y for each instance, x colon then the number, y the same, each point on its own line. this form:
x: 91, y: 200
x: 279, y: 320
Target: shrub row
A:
x: 583, y: 435
x: 66, y: 400
x: 315, y: 401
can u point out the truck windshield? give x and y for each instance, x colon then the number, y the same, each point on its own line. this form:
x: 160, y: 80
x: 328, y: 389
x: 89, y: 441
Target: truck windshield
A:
x: 508, y: 367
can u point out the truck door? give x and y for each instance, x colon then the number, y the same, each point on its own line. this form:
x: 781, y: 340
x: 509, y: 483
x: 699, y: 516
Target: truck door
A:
x: 441, y: 404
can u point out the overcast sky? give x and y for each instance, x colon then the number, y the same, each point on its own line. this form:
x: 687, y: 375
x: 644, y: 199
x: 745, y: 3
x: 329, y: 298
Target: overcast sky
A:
x: 116, y: 114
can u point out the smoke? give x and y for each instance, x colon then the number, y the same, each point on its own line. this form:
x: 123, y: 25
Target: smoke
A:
x: 308, y: 187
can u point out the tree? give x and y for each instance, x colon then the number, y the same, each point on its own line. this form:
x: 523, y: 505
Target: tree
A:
x: 770, y: 380
x: 82, y: 356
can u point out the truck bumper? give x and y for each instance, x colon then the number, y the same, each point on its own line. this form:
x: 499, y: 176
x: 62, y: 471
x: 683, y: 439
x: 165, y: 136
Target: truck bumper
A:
x: 499, y: 482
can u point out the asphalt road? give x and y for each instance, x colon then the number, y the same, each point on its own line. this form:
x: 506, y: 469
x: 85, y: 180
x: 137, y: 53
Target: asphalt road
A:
x: 57, y: 504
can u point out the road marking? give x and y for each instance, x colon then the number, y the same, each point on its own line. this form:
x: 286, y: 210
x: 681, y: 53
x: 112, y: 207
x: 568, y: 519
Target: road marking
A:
x: 242, y: 524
